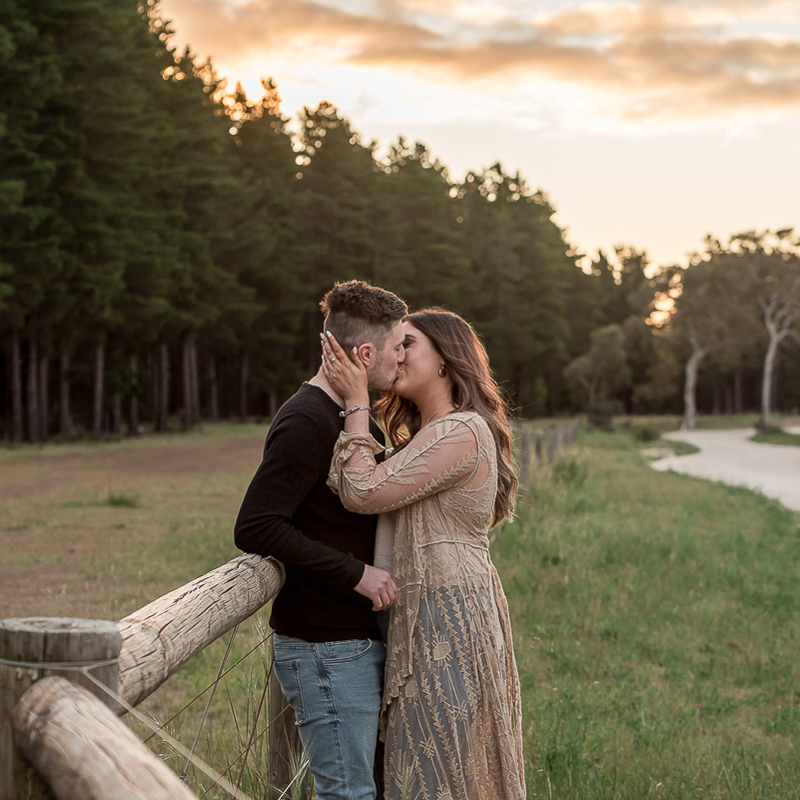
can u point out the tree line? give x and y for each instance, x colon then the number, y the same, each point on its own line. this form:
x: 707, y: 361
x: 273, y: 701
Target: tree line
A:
x: 165, y: 240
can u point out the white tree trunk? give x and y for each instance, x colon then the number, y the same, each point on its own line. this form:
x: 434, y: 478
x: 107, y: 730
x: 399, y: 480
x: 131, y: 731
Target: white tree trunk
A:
x: 690, y: 388
x: 766, y: 382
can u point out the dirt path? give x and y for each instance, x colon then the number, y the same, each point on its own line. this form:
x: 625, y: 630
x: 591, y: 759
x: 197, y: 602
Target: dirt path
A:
x: 729, y: 457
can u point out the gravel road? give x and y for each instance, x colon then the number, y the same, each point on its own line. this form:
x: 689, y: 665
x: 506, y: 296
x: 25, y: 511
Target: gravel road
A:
x: 729, y: 457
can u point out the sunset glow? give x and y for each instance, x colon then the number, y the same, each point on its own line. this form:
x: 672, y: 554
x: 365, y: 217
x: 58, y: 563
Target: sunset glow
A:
x: 650, y: 123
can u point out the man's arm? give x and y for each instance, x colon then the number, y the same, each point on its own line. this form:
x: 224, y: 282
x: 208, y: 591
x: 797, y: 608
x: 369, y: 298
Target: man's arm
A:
x: 293, y: 463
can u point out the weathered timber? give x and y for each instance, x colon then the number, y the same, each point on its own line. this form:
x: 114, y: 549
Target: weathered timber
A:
x: 82, y: 750
x: 524, y: 455
x: 161, y: 637
x: 25, y: 643
x: 285, y: 747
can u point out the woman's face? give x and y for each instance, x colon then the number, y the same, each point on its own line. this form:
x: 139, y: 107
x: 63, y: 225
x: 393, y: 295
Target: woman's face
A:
x: 420, y: 369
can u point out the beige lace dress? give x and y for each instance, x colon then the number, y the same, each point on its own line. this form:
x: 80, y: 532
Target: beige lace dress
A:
x: 451, y: 716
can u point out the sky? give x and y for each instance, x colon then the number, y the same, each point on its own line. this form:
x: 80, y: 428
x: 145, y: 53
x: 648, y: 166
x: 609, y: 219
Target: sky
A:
x: 646, y: 123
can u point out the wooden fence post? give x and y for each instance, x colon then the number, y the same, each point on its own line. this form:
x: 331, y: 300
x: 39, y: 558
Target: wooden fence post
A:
x: 285, y: 747
x: 41, y: 640
x: 539, y: 448
x: 552, y: 442
x: 524, y: 455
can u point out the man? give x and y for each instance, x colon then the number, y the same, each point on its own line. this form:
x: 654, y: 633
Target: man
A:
x: 328, y: 654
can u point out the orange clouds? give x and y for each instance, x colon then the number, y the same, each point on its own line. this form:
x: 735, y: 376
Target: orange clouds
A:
x: 660, y: 58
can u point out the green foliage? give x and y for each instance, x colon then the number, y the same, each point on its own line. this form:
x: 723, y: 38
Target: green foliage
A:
x: 121, y: 500
x: 777, y: 436
x: 646, y: 433
x: 600, y: 413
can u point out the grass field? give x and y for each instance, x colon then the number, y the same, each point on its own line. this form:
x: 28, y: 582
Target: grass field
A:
x: 778, y: 437
x: 655, y: 616
x: 656, y: 632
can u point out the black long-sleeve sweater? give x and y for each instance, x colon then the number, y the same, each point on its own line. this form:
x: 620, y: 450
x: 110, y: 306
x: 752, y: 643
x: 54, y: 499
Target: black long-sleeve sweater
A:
x: 288, y: 512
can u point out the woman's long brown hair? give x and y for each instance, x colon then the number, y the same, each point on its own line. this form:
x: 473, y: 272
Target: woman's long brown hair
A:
x: 474, y: 389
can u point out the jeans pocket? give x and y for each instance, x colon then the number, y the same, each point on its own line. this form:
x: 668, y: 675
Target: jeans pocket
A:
x: 288, y: 675
x: 350, y: 650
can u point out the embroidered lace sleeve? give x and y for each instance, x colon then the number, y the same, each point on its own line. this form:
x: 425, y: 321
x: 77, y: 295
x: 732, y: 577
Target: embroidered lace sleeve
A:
x: 440, y: 456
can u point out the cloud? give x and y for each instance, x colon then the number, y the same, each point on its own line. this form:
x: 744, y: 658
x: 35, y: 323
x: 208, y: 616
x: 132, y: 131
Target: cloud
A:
x: 229, y: 30
x: 659, y: 58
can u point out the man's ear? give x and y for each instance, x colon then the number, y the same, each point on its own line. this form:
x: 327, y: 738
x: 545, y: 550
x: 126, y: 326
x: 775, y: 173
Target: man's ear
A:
x: 366, y: 352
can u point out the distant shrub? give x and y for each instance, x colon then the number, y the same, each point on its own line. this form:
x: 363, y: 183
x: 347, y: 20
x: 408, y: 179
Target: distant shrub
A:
x: 646, y: 432
x: 122, y: 501
x: 600, y: 414
x: 771, y: 428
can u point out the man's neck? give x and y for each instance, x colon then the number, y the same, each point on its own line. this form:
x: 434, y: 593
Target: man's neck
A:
x: 320, y: 380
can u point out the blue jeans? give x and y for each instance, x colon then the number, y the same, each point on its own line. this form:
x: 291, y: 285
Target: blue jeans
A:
x: 335, y: 691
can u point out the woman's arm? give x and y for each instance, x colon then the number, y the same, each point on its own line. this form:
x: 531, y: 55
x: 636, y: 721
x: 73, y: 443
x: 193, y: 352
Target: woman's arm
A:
x: 440, y: 456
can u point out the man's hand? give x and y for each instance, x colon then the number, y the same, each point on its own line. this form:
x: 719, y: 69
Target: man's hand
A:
x: 377, y: 584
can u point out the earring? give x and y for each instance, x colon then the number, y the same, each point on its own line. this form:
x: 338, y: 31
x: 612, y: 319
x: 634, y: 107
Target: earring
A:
x: 442, y: 371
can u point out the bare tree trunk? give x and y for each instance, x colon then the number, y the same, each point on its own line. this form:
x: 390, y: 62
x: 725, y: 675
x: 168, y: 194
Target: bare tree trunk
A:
x: 273, y: 403
x: 186, y: 364
x: 690, y: 388
x: 195, y: 383
x: 116, y: 417
x: 152, y: 368
x: 44, y: 398
x: 738, y: 404
x: 244, y: 376
x: 163, y: 382
x: 717, y: 399
x: 766, y: 383
x: 213, y: 388
x: 133, y: 408
x: 64, y: 412
x: 33, y: 391
x: 99, y: 389
x: 778, y: 321
x: 16, y: 389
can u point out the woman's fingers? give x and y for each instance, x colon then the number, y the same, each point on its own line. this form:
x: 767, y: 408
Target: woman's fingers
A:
x: 331, y: 347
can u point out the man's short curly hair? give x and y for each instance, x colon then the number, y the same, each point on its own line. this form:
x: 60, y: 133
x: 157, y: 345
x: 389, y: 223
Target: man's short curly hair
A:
x: 356, y: 312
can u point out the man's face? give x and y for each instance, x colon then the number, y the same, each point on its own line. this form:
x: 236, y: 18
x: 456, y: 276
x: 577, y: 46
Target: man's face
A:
x: 383, y: 369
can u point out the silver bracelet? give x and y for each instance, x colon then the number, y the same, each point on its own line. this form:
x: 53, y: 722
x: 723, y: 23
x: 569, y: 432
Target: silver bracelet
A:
x: 352, y: 410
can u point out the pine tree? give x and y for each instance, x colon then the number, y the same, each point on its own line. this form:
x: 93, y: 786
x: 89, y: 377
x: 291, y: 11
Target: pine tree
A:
x: 264, y: 251
x: 417, y: 252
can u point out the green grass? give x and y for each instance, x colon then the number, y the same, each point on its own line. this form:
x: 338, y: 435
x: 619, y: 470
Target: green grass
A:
x: 656, y: 632
x: 777, y: 437
x: 655, y: 621
x: 666, y: 422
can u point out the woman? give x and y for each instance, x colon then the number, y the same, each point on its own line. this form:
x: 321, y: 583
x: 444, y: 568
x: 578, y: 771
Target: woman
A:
x: 451, y: 705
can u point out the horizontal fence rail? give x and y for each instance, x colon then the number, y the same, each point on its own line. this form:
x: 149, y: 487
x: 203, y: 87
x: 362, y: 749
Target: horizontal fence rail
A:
x: 63, y: 682
x: 160, y: 638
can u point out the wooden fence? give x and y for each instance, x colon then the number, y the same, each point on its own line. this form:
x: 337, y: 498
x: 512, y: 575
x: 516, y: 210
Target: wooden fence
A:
x: 65, y: 682
x: 537, y: 448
